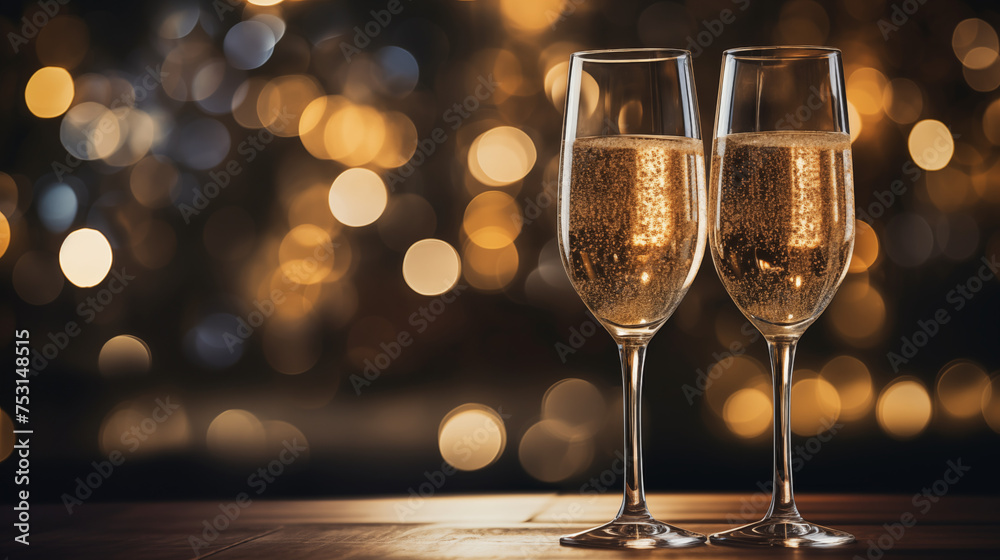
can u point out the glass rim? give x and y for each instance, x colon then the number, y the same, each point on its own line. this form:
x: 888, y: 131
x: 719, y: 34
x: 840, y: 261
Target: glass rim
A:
x: 640, y: 54
x: 782, y: 52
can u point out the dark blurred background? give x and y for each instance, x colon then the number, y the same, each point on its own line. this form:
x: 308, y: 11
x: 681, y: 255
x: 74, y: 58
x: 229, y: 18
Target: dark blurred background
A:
x: 237, y: 228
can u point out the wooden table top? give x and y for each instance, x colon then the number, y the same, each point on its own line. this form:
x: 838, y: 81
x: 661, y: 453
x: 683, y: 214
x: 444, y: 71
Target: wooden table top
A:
x: 522, y: 526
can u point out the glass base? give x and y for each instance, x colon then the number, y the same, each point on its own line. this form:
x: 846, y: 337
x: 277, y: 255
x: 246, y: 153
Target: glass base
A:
x: 636, y: 533
x: 793, y: 533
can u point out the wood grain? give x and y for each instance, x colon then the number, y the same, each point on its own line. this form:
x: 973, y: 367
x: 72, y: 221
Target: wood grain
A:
x: 514, y: 526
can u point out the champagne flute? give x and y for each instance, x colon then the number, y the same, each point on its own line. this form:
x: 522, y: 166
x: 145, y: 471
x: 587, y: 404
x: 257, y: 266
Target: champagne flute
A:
x: 782, y: 229
x: 631, y: 230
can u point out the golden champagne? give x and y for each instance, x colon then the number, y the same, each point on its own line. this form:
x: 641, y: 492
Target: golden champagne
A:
x: 636, y: 226
x: 782, y: 222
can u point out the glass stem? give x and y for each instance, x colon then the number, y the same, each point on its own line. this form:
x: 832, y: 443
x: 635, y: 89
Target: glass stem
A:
x: 633, y: 353
x: 782, y: 352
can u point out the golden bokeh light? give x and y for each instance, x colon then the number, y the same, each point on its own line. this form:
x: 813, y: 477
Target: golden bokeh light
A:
x: 949, y: 189
x: 530, y: 15
x: 351, y: 134
x: 9, y: 195
x: 490, y: 270
x: 985, y: 79
x: 865, y: 90
x: 371, y: 142
x: 960, y: 388
x: 471, y: 437
x: 400, y: 141
x: 132, y: 427
x: 555, y: 84
x: 237, y: 436
x: 991, y: 404
x: 124, y: 355
x: 858, y: 313
x: 865, y: 247
x: 85, y: 257
x: 501, y: 156
x: 931, y: 144
x: 152, y: 181
x: 507, y: 71
x: 853, y: 382
x: 49, y: 92
x: 306, y: 254
x: 747, y: 412
x: 91, y: 131
x: 854, y: 121
x: 357, y: 197
x: 492, y: 220
x: 904, y: 408
x: 245, y: 100
x: 815, y: 406
x: 431, y: 267
x: 903, y: 100
x: 312, y: 123
x: 991, y: 122
x: 311, y: 206
x: 299, y: 301
x: 730, y: 375
x: 283, y: 100
x: 577, y: 404
x: 555, y: 88
x: 975, y: 43
x: 344, y: 261
x: 4, y: 234
x: 987, y: 183
x: 980, y: 58
x: 207, y: 79
x: 138, y: 133
x: 549, y: 454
